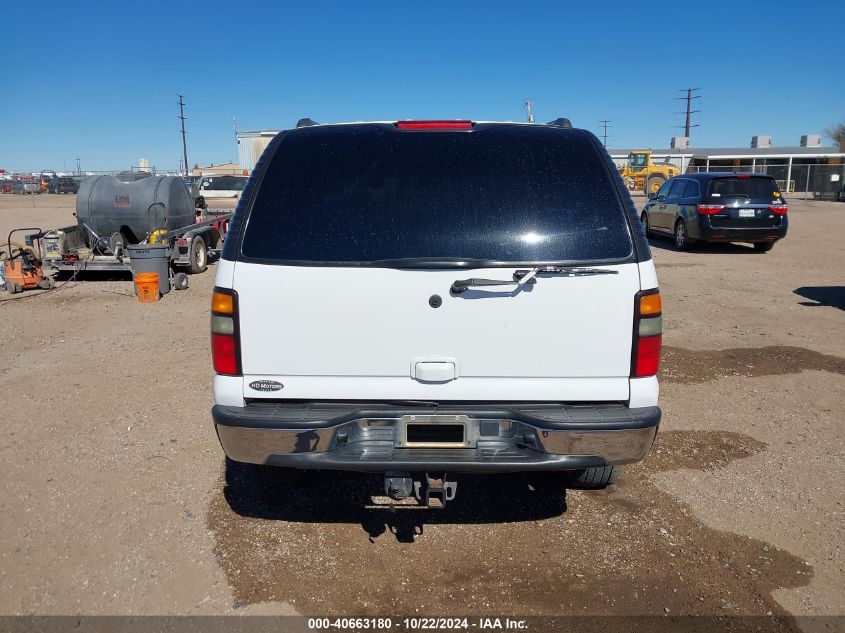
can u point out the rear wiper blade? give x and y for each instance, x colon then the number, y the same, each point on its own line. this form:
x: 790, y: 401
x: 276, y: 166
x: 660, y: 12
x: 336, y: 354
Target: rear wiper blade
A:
x: 521, y: 277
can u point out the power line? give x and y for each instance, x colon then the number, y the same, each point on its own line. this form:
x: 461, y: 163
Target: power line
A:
x: 604, y: 123
x: 184, y: 143
x: 689, y: 111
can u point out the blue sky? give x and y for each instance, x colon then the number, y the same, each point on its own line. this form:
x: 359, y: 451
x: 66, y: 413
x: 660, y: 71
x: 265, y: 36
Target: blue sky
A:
x: 99, y: 80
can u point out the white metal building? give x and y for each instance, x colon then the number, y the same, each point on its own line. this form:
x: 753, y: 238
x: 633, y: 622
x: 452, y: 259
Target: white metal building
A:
x: 814, y: 169
x: 251, y: 144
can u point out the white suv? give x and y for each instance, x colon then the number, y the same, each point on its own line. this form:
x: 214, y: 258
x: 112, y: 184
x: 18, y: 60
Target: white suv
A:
x: 422, y: 298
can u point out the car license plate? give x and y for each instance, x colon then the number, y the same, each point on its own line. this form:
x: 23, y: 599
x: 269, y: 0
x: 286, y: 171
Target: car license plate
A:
x: 746, y: 213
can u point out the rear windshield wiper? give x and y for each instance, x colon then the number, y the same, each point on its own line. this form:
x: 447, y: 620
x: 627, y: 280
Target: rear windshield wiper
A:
x: 521, y: 277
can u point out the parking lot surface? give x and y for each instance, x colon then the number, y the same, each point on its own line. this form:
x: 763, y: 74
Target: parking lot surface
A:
x: 116, y: 498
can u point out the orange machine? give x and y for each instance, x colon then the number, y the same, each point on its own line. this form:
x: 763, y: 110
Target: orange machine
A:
x: 22, y: 266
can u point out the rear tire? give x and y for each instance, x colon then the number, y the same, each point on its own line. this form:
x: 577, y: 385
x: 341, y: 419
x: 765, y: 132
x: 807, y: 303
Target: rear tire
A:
x: 763, y: 247
x: 593, y: 478
x: 682, y: 238
x: 198, y: 255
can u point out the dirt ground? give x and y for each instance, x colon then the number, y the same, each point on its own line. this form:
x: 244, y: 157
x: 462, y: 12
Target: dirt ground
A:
x: 116, y: 498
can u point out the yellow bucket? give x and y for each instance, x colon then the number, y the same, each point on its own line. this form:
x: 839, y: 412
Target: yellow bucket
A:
x: 147, y: 286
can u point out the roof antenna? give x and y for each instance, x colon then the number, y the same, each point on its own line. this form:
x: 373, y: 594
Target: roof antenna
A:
x: 306, y: 122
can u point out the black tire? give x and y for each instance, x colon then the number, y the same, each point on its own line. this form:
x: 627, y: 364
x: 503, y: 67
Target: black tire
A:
x: 763, y: 247
x: 683, y: 241
x: 646, y: 227
x: 198, y: 255
x: 180, y: 281
x: 653, y: 184
x: 593, y: 478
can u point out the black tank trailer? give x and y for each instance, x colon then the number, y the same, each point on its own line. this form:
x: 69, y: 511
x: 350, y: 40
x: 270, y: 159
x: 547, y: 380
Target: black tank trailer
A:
x: 138, y: 213
x: 130, y: 207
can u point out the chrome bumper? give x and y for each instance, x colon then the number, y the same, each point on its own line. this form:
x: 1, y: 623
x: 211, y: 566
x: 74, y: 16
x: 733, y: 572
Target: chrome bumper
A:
x: 494, y: 440
x: 375, y: 440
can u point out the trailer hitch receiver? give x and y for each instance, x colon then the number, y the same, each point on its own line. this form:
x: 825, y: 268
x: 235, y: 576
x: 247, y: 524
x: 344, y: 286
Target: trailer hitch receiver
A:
x: 435, y: 490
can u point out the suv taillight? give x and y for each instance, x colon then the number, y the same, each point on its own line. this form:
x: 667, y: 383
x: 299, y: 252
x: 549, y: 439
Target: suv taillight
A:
x: 225, y: 343
x: 778, y: 209
x: 435, y: 125
x: 710, y: 209
x: 648, y: 334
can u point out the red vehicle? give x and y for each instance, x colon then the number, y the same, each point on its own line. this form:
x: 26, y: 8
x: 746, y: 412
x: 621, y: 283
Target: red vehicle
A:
x: 6, y: 186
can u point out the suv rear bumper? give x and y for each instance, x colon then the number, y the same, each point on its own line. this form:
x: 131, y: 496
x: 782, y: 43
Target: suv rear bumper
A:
x: 709, y: 233
x: 370, y: 438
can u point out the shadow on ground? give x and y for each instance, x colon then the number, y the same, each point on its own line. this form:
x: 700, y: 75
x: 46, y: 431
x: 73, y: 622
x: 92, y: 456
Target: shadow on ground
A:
x: 501, y: 547
x: 833, y: 296
x: 723, y: 248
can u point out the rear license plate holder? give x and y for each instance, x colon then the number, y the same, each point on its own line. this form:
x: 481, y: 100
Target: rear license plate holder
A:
x: 747, y: 213
x: 433, y: 431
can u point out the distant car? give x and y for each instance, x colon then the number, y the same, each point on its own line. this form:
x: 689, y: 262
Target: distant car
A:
x: 30, y: 186
x: 62, y: 184
x: 11, y: 186
x: 718, y: 207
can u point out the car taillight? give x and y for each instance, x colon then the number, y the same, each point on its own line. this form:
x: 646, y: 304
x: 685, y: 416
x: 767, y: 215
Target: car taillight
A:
x: 648, y: 334
x: 225, y: 343
x: 710, y: 209
x: 778, y: 209
x: 434, y: 125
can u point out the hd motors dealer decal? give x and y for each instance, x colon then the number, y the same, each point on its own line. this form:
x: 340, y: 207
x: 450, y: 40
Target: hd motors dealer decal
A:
x: 266, y: 385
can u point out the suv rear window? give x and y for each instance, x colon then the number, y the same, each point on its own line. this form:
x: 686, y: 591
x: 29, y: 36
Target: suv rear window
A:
x: 502, y: 193
x: 755, y: 189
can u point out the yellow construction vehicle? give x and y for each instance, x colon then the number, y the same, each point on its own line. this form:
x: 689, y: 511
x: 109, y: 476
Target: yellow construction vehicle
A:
x: 640, y: 174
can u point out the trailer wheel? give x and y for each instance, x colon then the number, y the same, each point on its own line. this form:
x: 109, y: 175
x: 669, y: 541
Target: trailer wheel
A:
x: 199, y: 255
x: 180, y: 281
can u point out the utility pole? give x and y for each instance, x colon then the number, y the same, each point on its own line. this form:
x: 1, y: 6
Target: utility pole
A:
x: 604, y: 123
x: 529, y: 107
x: 184, y: 144
x: 78, y: 168
x: 689, y: 111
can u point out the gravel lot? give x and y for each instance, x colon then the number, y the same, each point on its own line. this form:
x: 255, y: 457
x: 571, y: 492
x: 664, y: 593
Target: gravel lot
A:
x: 116, y: 499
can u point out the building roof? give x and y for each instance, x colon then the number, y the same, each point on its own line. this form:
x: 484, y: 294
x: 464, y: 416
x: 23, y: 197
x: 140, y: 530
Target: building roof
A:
x: 248, y: 133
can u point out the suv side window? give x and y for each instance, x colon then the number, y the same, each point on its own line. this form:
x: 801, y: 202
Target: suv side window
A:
x: 677, y: 189
x: 692, y: 190
x: 663, y: 192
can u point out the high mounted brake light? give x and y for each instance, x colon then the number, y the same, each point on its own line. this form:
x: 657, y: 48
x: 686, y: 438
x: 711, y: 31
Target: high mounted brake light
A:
x: 710, y: 209
x: 225, y: 340
x: 434, y: 125
x: 648, y: 334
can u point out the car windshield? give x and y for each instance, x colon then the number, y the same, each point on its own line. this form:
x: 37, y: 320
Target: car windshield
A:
x: 756, y: 189
x: 503, y: 193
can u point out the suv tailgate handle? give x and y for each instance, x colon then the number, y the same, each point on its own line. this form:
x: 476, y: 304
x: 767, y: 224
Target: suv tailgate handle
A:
x: 434, y: 369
